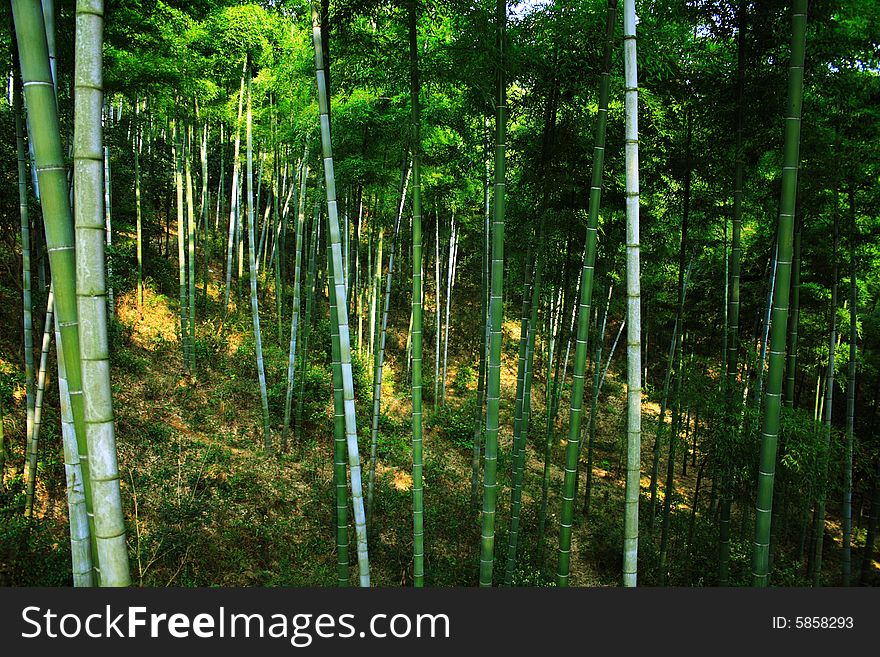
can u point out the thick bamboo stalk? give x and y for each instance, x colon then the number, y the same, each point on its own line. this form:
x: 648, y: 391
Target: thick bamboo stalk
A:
x: 92, y: 297
x: 417, y: 305
x: 43, y: 128
x: 339, y: 473
x: 339, y: 286
x: 633, y: 342
x: 496, y: 311
x: 583, y: 313
x: 770, y: 430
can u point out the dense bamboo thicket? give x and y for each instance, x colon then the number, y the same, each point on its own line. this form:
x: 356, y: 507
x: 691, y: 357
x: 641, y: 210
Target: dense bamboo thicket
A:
x: 337, y: 293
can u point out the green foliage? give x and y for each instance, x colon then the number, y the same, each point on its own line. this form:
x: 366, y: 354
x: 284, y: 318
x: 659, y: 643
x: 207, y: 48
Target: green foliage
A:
x: 30, y: 554
x: 454, y: 423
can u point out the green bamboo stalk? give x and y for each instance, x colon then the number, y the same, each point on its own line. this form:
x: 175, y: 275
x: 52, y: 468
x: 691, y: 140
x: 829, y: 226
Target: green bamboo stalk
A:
x: 520, y: 450
x: 297, y: 270
x: 450, y: 282
x: 770, y: 431
x: 333, y: 236
x: 191, y: 249
x: 583, y: 314
x: 438, y: 322
x: 484, y: 345
x: 380, y: 351
x: 633, y: 341
x: 137, y: 197
x: 733, y: 301
x: 252, y: 271
x: 339, y: 473
x: 177, y: 156
x: 594, y: 404
x: 92, y: 293
x: 43, y: 129
x: 30, y: 464
x: 846, y: 559
x: 418, y: 489
x: 829, y: 399
x: 234, y: 212
x: 793, y: 320
x: 27, y: 304
x: 307, y: 318
x: 81, y: 551
x: 108, y: 220
x: 496, y: 312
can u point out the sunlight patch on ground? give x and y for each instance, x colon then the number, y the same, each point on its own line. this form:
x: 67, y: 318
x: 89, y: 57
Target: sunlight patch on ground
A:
x: 157, y: 324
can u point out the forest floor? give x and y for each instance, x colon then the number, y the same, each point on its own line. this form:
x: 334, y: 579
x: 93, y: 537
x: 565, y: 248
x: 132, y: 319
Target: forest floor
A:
x: 206, y: 506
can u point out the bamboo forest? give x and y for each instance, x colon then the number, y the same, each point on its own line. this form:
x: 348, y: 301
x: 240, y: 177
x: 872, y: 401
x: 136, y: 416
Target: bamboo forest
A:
x: 440, y: 293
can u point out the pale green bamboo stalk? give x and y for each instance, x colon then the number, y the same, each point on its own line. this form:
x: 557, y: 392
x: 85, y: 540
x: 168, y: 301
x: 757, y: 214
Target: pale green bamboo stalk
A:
x: 297, y: 271
x: 339, y: 286
x: 177, y: 156
x: 43, y: 129
x: 92, y: 293
x: 339, y: 473
x: 633, y: 342
x: 137, y: 197
x: 252, y: 272
x: 234, y: 194
x: 450, y: 281
x: 108, y: 221
x: 191, y: 248
x: 30, y: 464
x: 78, y: 517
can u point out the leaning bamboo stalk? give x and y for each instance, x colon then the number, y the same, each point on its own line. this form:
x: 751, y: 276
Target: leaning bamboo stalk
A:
x: 770, y: 428
x: 252, y: 272
x: 380, y: 353
x: 78, y: 517
x: 30, y: 464
x: 234, y: 193
x: 43, y: 129
x: 294, y: 322
x: 583, y: 315
x: 339, y: 286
